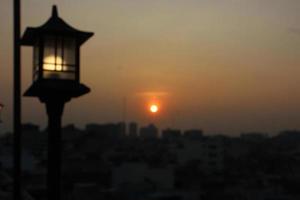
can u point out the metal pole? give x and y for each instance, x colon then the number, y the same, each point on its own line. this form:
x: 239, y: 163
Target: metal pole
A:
x: 54, y: 110
x: 17, y: 102
x: 124, y: 117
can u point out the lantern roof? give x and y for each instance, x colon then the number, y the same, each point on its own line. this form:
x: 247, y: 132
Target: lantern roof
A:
x: 54, y: 25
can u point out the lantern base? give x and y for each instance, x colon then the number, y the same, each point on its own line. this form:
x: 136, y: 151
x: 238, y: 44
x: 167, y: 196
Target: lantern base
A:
x: 45, y: 89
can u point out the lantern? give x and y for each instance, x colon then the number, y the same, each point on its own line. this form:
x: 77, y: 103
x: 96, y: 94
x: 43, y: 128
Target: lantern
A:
x: 56, y: 57
x: 56, y: 79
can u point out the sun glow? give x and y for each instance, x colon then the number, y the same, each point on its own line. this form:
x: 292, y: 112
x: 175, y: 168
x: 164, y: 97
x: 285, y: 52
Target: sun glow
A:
x: 153, y: 108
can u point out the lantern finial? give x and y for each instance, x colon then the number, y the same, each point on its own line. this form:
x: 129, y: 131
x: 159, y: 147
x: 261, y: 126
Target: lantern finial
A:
x: 54, y: 11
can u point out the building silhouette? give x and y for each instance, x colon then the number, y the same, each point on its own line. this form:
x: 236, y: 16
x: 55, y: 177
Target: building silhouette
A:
x: 149, y: 132
x: 133, y: 130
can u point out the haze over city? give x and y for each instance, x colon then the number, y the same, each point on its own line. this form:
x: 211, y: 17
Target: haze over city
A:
x: 222, y: 66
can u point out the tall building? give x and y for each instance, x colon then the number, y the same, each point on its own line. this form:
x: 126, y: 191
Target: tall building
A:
x: 149, y: 132
x: 133, y: 129
x: 171, y: 134
x: 122, y: 128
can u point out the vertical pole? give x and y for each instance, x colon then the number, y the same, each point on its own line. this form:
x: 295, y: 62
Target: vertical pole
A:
x: 54, y: 110
x: 124, y: 117
x: 17, y: 102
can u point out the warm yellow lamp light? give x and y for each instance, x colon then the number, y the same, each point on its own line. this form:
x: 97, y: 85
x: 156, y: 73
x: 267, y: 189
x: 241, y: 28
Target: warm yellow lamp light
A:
x: 53, y: 63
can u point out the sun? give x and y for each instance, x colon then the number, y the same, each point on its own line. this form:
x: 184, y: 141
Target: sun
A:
x: 153, y: 108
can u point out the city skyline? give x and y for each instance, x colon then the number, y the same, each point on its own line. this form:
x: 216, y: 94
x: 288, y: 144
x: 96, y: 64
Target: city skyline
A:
x: 225, y: 67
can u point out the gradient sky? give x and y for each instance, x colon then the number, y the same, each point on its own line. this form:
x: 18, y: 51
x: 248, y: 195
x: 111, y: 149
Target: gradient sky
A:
x: 226, y: 66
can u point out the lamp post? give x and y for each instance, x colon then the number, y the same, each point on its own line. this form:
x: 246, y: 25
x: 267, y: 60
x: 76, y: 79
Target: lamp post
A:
x: 56, y: 79
x: 17, y: 101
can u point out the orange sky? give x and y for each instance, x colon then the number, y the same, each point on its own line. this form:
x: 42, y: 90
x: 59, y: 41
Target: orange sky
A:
x: 224, y: 66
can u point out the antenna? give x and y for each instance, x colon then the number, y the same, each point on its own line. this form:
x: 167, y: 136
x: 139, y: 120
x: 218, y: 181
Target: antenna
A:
x: 124, y: 110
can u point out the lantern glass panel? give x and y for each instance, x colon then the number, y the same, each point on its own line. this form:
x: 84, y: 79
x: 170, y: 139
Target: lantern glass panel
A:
x: 59, y: 75
x: 59, y: 58
x: 59, y: 54
x: 69, y: 51
x: 49, y: 60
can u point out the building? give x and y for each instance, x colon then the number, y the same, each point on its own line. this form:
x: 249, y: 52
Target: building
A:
x: 171, y: 134
x: 254, y: 137
x: 70, y: 133
x: 137, y: 174
x: 149, y: 132
x: 133, y: 130
x: 123, y: 128
x: 113, y: 131
x: 193, y: 134
x: 207, y: 153
x: 34, y: 140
